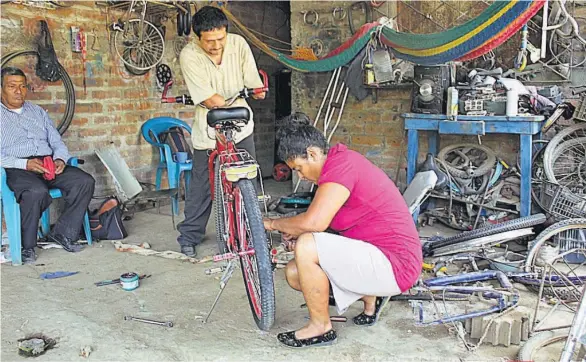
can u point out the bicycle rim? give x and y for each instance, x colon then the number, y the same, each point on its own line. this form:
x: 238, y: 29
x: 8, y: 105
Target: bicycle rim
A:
x: 469, y: 155
x: 566, y: 134
x: 529, y: 350
x: 547, y: 234
x: 568, y: 164
x: 148, y: 52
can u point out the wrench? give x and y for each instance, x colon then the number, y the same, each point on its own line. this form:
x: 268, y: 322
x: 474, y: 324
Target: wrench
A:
x: 149, y: 321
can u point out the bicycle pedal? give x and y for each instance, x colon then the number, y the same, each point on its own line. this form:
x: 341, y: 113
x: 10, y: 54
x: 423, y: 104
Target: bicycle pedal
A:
x: 264, y: 198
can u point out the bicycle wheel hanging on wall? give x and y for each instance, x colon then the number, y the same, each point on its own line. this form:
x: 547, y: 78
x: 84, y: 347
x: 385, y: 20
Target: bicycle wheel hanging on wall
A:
x: 145, y: 41
x: 28, y: 66
x: 128, y: 55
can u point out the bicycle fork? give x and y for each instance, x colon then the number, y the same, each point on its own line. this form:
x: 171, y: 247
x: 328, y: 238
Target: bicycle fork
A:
x: 223, y: 282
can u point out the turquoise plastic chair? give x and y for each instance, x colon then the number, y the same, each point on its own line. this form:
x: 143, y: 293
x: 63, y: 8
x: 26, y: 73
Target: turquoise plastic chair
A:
x: 12, y: 216
x: 150, y: 132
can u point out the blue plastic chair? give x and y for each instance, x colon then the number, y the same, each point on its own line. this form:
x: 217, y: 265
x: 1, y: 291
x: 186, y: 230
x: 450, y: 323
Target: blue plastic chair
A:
x: 12, y: 216
x: 150, y: 132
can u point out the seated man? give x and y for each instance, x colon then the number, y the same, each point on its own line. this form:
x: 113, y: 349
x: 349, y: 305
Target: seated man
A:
x: 377, y: 253
x: 28, y: 135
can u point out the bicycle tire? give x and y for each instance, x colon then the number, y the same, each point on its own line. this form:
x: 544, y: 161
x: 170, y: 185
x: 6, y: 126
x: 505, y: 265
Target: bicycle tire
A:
x: 546, y: 234
x: 566, y: 294
x: 187, y: 19
x: 62, y: 4
x: 219, y: 204
x: 480, y: 171
x: 365, y: 5
x: 127, y: 54
x: 67, y: 84
x: 532, y: 345
x: 179, y: 22
x: 262, y: 256
x: 559, y: 150
x: 578, y: 129
x: 520, y: 223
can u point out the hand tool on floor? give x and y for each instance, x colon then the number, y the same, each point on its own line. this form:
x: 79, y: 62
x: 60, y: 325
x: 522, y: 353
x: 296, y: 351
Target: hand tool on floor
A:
x: 223, y: 281
x: 148, y: 321
x: 336, y: 318
x: 117, y: 281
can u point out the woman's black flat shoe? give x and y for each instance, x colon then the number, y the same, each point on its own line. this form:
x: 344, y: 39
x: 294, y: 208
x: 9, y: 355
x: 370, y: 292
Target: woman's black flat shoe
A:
x: 370, y: 320
x: 289, y: 339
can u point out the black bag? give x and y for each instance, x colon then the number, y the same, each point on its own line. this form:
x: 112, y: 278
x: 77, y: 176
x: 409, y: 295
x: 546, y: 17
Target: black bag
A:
x: 175, y: 138
x: 106, y: 221
x: 47, y: 66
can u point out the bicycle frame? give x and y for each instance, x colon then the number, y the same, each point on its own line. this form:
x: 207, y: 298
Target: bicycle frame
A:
x: 234, y: 165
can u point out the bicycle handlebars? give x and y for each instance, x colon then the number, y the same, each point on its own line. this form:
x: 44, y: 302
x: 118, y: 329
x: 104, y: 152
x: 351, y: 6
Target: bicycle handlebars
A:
x: 245, y: 93
x: 185, y: 99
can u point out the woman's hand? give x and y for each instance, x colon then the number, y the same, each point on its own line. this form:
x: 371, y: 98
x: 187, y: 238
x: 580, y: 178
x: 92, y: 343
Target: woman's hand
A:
x: 288, y: 241
x: 268, y: 223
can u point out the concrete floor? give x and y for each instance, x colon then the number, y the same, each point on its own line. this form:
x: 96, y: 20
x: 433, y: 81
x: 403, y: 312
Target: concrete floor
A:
x: 80, y: 314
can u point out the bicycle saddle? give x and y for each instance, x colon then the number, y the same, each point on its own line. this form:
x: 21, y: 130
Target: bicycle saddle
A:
x: 430, y: 165
x: 218, y: 116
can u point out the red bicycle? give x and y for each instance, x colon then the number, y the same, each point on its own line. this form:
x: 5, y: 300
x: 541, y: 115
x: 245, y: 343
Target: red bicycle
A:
x: 240, y: 233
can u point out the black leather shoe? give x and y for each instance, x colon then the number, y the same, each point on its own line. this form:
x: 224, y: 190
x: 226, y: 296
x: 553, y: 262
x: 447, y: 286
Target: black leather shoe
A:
x: 29, y: 256
x: 189, y: 251
x: 67, y: 244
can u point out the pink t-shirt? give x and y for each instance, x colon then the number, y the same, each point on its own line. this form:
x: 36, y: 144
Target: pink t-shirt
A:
x: 375, y: 212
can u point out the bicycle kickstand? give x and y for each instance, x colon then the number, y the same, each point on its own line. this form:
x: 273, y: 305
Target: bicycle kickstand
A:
x: 223, y: 281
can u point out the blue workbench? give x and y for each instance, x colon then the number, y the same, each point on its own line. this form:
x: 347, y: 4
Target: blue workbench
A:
x: 437, y: 124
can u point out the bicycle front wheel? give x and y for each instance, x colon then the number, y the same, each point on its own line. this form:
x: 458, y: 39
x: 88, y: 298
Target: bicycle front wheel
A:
x: 257, y: 270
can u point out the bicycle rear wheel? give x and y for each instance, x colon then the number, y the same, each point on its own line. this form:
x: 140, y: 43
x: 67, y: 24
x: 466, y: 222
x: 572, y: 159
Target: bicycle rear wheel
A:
x: 145, y: 40
x: 28, y: 65
x: 257, y: 270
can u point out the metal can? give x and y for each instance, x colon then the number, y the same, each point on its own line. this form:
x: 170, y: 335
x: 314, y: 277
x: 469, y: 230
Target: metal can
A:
x: 129, y: 281
x: 369, y: 74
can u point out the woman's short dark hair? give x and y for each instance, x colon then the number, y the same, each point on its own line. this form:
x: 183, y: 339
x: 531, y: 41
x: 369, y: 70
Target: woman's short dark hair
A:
x: 209, y: 18
x: 297, y: 135
x: 11, y: 71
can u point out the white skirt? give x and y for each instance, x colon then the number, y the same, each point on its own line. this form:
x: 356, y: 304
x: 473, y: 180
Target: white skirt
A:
x: 355, y: 269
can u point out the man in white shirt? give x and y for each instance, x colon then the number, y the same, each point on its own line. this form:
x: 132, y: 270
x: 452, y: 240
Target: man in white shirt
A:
x: 216, y: 66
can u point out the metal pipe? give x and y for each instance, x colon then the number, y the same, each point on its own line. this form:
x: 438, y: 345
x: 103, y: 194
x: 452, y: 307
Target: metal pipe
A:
x: 552, y: 328
x: 475, y: 204
x: 339, y: 115
x: 576, y: 331
x: 471, y: 277
x: 329, y: 109
x: 323, y: 102
x: 329, y: 119
x: 544, y: 29
x: 483, y: 200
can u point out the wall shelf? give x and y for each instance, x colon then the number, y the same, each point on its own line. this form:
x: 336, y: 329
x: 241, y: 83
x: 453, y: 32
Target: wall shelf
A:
x: 375, y: 88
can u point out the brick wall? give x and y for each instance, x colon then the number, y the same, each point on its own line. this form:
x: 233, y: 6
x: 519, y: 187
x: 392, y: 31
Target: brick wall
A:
x: 114, y: 104
x: 375, y: 130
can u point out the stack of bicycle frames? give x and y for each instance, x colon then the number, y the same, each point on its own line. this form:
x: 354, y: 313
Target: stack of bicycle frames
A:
x: 477, y: 188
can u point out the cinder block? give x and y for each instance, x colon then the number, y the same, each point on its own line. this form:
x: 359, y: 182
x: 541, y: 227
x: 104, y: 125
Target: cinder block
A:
x: 504, y: 335
x: 511, y: 328
x: 516, y: 332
